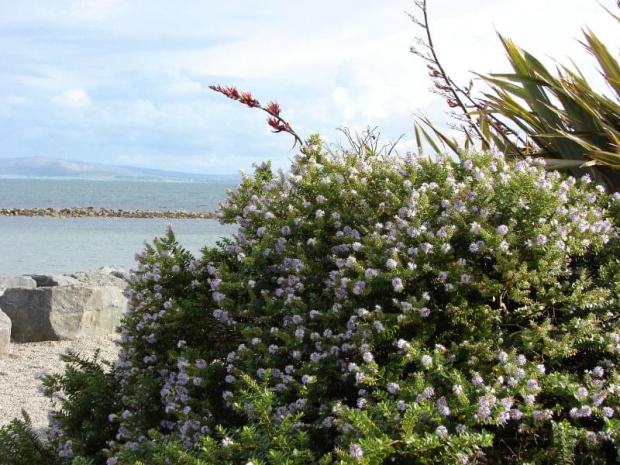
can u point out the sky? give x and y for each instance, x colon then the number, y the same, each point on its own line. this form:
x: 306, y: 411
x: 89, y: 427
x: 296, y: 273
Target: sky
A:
x: 125, y: 82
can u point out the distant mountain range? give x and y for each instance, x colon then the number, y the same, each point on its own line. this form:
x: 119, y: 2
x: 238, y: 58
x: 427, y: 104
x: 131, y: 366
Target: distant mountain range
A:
x: 42, y: 167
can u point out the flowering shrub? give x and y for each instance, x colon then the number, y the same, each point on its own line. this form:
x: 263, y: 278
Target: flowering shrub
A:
x: 372, y: 307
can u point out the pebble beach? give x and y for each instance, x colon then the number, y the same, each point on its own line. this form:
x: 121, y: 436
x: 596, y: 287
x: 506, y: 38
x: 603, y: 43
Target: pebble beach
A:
x: 18, y: 370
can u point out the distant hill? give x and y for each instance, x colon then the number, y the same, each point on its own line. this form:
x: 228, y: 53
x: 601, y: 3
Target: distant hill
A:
x: 42, y: 167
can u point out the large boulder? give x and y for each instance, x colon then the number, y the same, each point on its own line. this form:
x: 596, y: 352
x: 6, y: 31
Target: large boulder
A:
x: 58, y: 307
x: 62, y: 312
x: 50, y: 280
x: 16, y: 281
x: 115, y: 271
x: 5, y: 333
x: 106, y: 276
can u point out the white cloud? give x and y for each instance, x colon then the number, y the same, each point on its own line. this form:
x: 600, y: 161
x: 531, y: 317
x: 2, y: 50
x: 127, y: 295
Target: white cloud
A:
x: 96, y: 10
x: 340, y: 96
x: 72, y: 98
x: 15, y: 100
x: 469, y: 41
x: 148, y: 63
x: 184, y: 85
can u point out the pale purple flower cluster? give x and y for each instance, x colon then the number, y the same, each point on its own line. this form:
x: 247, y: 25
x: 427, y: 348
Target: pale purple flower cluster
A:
x: 334, y: 300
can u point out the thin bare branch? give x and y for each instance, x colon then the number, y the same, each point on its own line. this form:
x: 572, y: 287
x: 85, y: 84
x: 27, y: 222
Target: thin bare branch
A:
x: 455, y: 95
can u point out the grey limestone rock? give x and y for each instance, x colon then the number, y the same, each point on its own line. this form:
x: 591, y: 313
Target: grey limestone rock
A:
x: 16, y: 281
x: 62, y: 312
x: 51, y: 280
x: 5, y: 333
x: 106, y: 276
x: 115, y: 271
x: 58, y: 307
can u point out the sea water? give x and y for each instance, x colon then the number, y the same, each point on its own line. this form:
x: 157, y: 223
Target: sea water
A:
x: 40, y: 245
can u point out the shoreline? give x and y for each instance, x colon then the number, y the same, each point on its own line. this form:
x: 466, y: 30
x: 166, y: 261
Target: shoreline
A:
x: 19, y: 386
x: 91, y: 212
x: 23, y: 358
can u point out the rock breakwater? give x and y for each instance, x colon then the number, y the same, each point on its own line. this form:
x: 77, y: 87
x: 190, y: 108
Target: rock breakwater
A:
x: 91, y: 212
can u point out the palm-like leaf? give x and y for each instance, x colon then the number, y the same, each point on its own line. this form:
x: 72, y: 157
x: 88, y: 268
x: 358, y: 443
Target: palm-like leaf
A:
x: 564, y: 117
x: 532, y: 112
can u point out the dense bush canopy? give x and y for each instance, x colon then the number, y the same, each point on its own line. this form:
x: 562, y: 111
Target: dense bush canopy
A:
x: 371, y: 309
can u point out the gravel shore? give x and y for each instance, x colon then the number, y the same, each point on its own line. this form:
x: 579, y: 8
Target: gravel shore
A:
x: 18, y: 386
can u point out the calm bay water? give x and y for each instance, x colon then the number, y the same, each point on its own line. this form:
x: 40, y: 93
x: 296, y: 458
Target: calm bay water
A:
x: 66, y: 245
x: 126, y: 195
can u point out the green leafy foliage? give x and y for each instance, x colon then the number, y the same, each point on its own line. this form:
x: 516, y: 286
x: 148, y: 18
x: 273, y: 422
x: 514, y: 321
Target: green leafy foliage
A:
x: 377, y: 309
x: 371, y: 308
x: 569, y: 122
x: 20, y: 445
x: 532, y: 112
x: 88, y: 393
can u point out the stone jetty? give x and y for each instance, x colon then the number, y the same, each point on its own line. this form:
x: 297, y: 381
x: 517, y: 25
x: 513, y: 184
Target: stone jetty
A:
x: 91, y: 212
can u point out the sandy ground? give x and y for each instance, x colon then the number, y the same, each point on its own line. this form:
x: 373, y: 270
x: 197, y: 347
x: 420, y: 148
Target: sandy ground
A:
x: 18, y: 385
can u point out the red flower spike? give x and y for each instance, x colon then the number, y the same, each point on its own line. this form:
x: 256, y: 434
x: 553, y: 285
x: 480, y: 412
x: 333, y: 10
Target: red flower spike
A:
x: 275, y: 124
x: 230, y: 92
x: 275, y: 121
x: 247, y: 99
x: 274, y: 108
x: 233, y: 93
